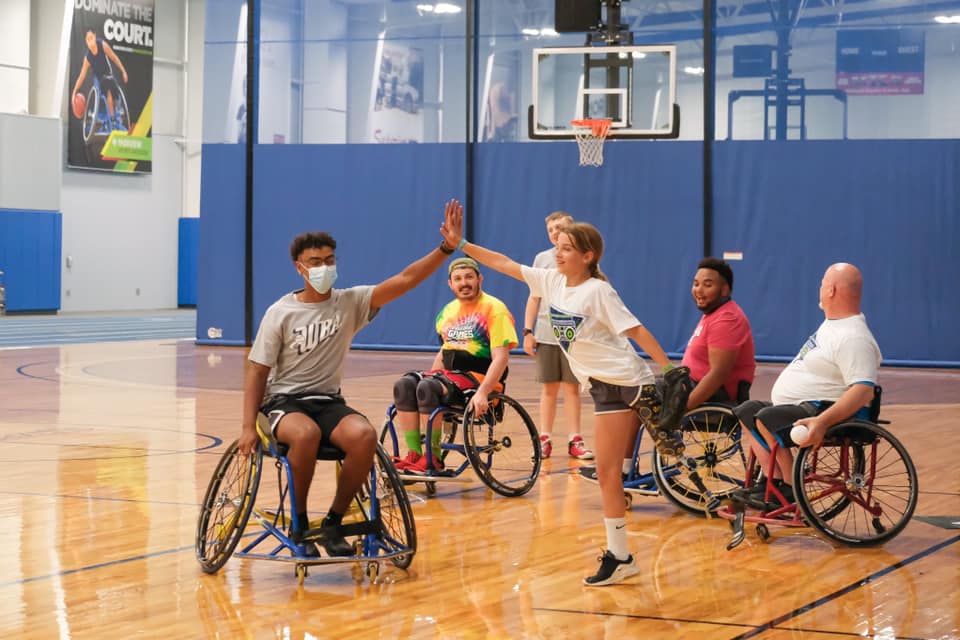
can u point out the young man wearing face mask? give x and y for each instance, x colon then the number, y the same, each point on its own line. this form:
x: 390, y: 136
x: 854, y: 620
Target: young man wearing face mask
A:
x: 477, y: 332
x: 295, y: 368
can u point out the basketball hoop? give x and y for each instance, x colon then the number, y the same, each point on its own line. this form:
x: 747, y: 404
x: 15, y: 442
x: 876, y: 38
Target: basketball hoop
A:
x: 590, y: 135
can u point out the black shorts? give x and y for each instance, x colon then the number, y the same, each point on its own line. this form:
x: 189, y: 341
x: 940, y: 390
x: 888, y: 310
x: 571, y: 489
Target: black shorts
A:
x: 325, y: 411
x: 777, y: 419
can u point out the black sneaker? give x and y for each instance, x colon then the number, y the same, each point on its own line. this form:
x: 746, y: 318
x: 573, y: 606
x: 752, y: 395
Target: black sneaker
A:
x: 330, y: 536
x: 309, y: 547
x: 590, y: 473
x: 612, y: 570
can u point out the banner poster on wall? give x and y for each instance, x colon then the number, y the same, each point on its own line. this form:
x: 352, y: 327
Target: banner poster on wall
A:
x: 498, y: 109
x: 110, y: 103
x: 880, y: 62
x: 397, y: 114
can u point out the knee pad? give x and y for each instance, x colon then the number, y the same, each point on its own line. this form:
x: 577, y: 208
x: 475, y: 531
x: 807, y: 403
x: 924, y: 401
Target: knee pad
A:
x: 429, y: 393
x: 405, y: 392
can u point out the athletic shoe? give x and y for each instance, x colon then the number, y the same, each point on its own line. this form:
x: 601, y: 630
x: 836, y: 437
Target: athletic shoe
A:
x: 420, y: 466
x: 612, y: 570
x: 546, y: 447
x: 333, y: 542
x: 309, y: 548
x: 577, y: 448
x: 412, y: 458
x: 590, y: 473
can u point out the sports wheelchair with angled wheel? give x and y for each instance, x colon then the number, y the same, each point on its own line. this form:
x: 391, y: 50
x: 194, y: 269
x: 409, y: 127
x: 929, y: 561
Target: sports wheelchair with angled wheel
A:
x: 858, y: 488
x: 710, y: 464
x: 501, y: 445
x: 380, y: 520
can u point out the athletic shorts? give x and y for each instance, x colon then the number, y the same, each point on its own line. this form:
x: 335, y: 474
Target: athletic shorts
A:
x: 777, y: 419
x: 325, y: 411
x: 612, y: 398
x: 552, y: 365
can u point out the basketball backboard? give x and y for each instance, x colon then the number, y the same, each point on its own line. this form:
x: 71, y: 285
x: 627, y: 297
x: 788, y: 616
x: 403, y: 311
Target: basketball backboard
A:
x: 634, y: 86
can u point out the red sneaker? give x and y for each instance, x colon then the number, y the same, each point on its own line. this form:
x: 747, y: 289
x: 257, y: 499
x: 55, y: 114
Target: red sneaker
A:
x: 420, y: 466
x: 546, y: 447
x: 412, y: 458
x: 577, y: 448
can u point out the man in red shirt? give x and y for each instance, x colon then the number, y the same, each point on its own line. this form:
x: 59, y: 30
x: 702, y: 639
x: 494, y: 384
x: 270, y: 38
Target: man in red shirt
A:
x: 720, y: 351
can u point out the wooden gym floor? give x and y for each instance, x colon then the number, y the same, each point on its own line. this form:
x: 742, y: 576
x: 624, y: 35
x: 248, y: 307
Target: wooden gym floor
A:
x: 108, y: 448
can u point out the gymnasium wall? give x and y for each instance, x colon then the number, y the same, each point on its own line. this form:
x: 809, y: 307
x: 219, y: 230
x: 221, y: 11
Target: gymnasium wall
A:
x: 887, y: 202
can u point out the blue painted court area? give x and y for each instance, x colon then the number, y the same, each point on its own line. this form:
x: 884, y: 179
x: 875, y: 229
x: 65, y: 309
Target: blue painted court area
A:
x: 74, y: 328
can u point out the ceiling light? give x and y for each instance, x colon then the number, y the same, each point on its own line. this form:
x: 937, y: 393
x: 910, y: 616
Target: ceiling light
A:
x: 694, y: 71
x: 444, y: 7
x: 425, y: 8
x: 947, y: 19
x: 548, y: 32
x: 527, y: 31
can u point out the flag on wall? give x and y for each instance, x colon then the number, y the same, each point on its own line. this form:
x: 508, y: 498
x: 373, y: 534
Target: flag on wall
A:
x: 110, y: 103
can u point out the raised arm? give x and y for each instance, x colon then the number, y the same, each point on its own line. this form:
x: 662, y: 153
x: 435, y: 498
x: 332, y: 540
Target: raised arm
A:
x: 452, y: 231
x: 415, y: 273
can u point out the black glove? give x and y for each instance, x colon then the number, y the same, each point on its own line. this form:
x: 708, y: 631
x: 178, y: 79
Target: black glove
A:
x: 676, y: 392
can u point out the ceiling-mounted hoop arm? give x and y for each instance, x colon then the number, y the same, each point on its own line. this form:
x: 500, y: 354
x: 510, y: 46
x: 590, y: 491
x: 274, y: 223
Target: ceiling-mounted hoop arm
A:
x: 672, y: 134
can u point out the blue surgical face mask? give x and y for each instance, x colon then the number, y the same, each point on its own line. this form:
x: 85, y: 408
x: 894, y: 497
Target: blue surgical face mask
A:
x: 323, y: 277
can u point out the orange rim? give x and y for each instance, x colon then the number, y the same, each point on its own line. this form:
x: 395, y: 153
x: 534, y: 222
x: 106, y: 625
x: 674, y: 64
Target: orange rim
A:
x: 599, y: 126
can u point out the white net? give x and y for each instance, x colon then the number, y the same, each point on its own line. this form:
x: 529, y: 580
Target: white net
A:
x: 590, y: 135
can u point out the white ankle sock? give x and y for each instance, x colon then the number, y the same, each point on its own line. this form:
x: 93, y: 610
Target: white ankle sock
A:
x: 617, y: 537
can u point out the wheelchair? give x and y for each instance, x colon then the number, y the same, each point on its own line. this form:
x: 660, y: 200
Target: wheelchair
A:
x: 502, y: 445
x: 380, y: 520
x: 859, y: 488
x: 709, y: 469
x: 96, y: 116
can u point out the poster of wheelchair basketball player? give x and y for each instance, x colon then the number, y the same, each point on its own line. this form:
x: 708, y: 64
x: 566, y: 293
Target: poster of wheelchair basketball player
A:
x: 110, y: 99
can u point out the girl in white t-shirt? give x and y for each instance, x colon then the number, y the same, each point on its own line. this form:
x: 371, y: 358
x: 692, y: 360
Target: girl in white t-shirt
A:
x: 592, y: 326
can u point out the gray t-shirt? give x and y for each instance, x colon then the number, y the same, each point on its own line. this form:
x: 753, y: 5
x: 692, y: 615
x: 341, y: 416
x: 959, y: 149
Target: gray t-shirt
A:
x: 542, y: 331
x: 305, y: 344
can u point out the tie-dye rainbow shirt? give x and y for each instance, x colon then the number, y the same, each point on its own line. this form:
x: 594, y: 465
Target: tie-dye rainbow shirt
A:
x: 475, y: 326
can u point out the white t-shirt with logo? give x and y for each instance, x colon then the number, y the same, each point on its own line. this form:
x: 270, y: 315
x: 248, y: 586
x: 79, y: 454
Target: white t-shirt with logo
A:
x: 841, y: 353
x: 546, y: 259
x: 305, y: 343
x: 588, y: 322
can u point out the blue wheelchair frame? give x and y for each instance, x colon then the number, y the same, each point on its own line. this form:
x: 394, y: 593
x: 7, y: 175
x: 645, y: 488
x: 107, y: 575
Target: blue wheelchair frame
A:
x: 97, y: 111
x: 376, y: 542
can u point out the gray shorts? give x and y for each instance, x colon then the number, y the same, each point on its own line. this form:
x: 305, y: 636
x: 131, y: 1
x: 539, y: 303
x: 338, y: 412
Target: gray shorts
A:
x: 612, y: 398
x: 552, y: 365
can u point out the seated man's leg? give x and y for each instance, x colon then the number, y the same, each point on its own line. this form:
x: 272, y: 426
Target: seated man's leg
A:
x: 774, y: 424
x: 746, y: 413
x: 302, y: 434
x: 429, y: 393
x: 408, y: 421
x: 356, y: 437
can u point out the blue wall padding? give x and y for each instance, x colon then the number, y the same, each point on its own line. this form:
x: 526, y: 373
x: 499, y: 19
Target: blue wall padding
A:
x: 792, y: 208
x: 188, y: 247
x: 220, y: 281
x: 646, y: 200
x: 30, y: 251
x: 891, y: 207
x: 382, y: 203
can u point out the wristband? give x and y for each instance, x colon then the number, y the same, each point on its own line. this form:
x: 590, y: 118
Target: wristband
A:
x: 463, y: 241
x: 667, y: 367
x: 528, y: 332
x: 445, y: 249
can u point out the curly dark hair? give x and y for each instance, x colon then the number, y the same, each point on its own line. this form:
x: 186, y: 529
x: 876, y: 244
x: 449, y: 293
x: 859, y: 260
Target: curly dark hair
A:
x: 720, y: 266
x: 311, y: 240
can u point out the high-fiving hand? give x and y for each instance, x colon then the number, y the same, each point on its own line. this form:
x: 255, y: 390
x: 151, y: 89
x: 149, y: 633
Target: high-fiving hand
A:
x: 452, y: 227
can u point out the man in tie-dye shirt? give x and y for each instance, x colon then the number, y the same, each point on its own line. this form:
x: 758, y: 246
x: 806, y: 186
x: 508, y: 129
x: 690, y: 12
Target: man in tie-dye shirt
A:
x: 477, y: 332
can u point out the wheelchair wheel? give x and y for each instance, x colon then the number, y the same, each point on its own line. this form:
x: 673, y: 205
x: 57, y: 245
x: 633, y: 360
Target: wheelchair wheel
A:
x: 399, y: 530
x: 90, y: 113
x: 859, y: 487
x: 227, y: 506
x: 711, y: 434
x: 503, y: 446
x: 121, y: 111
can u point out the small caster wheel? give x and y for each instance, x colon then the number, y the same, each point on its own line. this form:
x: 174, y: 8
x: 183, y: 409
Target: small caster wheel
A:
x: 628, y: 500
x: 431, y: 489
x: 356, y: 572
x: 373, y: 570
x: 301, y: 571
x: 762, y: 532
